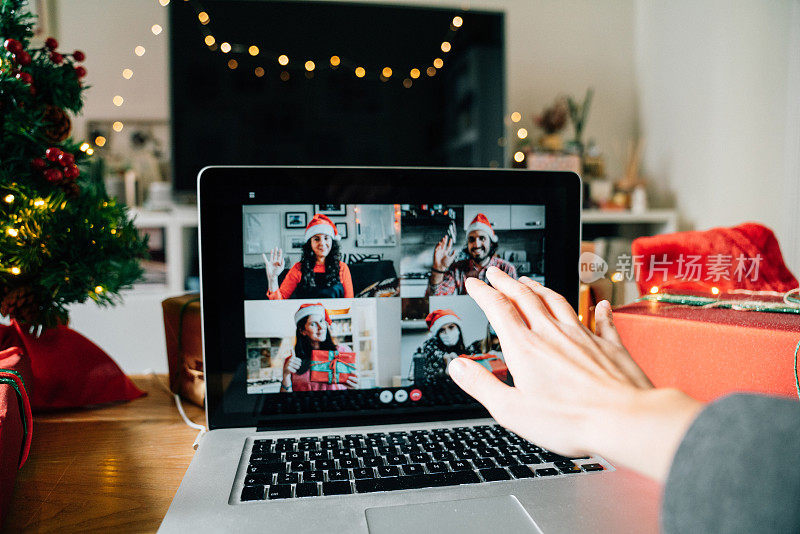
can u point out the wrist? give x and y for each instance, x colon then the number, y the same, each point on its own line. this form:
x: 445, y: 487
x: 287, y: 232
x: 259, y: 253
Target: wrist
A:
x: 642, y: 429
x: 434, y: 269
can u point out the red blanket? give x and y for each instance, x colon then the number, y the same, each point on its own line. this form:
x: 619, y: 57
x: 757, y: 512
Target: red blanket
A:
x: 742, y: 257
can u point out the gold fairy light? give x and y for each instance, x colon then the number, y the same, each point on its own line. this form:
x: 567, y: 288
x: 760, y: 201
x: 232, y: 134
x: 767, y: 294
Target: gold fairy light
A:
x: 89, y: 151
x: 117, y: 127
x: 259, y: 72
x: 335, y: 60
x: 310, y: 66
x: 414, y: 73
x: 283, y: 59
x: 225, y: 47
x: 360, y: 72
x: 407, y: 83
x: 446, y: 47
x: 253, y: 50
x: 232, y: 64
x: 203, y: 17
x: 118, y: 100
x: 100, y: 140
x: 438, y: 63
x: 84, y: 146
x: 519, y: 157
x: 516, y: 116
x: 139, y: 50
x: 209, y: 40
x: 15, y: 270
x: 457, y: 21
x: 13, y: 232
x: 164, y: 3
x: 284, y: 76
x: 522, y: 133
x: 9, y: 198
x: 431, y: 71
x: 127, y: 74
x: 386, y: 72
x: 156, y: 29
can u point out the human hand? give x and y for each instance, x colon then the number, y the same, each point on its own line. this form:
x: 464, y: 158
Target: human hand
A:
x: 294, y: 364
x: 449, y: 357
x: 443, y: 254
x: 274, y: 263
x: 574, y: 392
x: 352, y: 382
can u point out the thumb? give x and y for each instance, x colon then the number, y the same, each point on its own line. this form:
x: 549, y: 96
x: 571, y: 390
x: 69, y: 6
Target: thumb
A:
x: 480, y: 384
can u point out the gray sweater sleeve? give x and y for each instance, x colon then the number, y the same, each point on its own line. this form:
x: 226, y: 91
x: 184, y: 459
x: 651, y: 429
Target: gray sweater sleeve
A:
x: 737, y: 469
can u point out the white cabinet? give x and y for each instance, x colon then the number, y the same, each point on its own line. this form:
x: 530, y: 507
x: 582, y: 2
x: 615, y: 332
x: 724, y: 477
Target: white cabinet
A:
x: 516, y: 217
x: 527, y: 217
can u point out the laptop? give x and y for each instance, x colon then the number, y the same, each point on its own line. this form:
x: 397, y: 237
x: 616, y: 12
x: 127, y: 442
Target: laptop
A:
x: 327, y: 329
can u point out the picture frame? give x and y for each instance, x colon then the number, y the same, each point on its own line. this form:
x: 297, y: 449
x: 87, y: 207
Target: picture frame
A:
x: 330, y: 209
x: 341, y: 227
x: 295, y: 243
x: 295, y: 219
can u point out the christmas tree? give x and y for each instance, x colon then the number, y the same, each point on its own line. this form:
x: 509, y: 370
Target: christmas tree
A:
x: 62, y: 240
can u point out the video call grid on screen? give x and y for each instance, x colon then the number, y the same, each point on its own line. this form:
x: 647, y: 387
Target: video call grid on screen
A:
x: 398, y: 265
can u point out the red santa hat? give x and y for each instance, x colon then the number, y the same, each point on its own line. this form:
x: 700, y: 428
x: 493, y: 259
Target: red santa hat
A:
x: 313, y: 308
x: 480, y: 222
x: 439, y: 318
x: 321, y: 224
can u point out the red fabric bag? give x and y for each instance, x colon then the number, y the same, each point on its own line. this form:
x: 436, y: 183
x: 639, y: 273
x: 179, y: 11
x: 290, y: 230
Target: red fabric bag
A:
x: 16, y: 422
x: 332, y: 367
x: 68, y: 370
x: 709, y: 352
x: 491, y: 362
x: 701, y: 260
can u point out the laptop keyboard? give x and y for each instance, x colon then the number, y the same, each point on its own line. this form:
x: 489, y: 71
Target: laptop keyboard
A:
x: 288, y: 468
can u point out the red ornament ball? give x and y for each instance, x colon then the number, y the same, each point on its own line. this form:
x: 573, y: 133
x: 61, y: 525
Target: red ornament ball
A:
x: 51, y: 43
x: 56, y: 58
x: 78, y: 55
x: 80, y: 71
x: 66, y: 159
x: 53, y: 153
x: 53, y: 175
x: 38, y: 164
x: 13, y: 46
x: 23, y: 58
x: 24, y: 77
x: 72, y: 172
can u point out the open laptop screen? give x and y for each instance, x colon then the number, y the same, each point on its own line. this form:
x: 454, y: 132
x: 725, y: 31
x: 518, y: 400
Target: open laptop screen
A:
x: 364, y: 296
x: 317, y: 313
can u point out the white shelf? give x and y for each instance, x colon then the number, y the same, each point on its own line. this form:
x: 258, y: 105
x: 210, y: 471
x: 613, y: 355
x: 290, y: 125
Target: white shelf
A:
x: 666, y: 219
x: 174, y: 222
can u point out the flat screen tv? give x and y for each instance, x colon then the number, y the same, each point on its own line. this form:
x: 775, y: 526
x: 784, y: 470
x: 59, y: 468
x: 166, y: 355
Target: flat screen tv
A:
x: 245, y: 107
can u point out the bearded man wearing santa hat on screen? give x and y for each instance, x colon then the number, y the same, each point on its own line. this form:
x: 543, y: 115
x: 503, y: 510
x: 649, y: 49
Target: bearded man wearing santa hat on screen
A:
x: 448, y: 276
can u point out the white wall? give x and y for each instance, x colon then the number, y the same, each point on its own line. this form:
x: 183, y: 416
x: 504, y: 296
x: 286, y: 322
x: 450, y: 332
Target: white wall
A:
x: 719, y: 85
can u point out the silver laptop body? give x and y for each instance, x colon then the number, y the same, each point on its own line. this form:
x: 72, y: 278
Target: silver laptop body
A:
x: 613, y: 499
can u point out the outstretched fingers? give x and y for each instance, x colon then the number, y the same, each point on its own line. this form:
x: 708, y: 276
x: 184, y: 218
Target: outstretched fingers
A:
x: 531, y: 308
x: 501, y: 312
x: 556, y: 303
x: 483, y: 386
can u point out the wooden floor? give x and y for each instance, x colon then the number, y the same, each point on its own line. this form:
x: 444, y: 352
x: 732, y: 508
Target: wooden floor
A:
x: 109, y: 469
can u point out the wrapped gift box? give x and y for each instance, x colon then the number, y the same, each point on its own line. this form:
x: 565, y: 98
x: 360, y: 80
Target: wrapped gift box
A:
x: 492, y: 363
x: 184, y: 347
x: 16, y: 422
x: 709, y: 352
x: 332, y: 367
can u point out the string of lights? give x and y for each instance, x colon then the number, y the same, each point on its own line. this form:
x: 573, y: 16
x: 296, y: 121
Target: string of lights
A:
x: 308, y: 66
x: 285, y: 65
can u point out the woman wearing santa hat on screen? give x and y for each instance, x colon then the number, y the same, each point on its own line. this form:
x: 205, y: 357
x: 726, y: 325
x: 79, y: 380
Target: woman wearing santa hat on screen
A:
x: 313, y: 333
x: 318, y: 274
x: 446, y: 342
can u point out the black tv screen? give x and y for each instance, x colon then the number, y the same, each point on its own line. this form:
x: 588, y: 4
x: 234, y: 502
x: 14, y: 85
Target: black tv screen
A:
x: 261, y: 112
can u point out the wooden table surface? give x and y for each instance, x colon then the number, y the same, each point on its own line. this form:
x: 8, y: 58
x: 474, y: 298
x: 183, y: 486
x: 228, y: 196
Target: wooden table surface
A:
x: 114, y: 468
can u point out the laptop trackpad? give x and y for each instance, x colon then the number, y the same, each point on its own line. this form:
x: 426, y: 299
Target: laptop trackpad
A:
x: 490, y: 514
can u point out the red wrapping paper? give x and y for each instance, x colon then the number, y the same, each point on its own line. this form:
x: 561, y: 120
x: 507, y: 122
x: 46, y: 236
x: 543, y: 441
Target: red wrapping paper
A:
x: 13, y: 446
x: 332, y: 367
x: 492, y: 363
x: 710, y: 352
